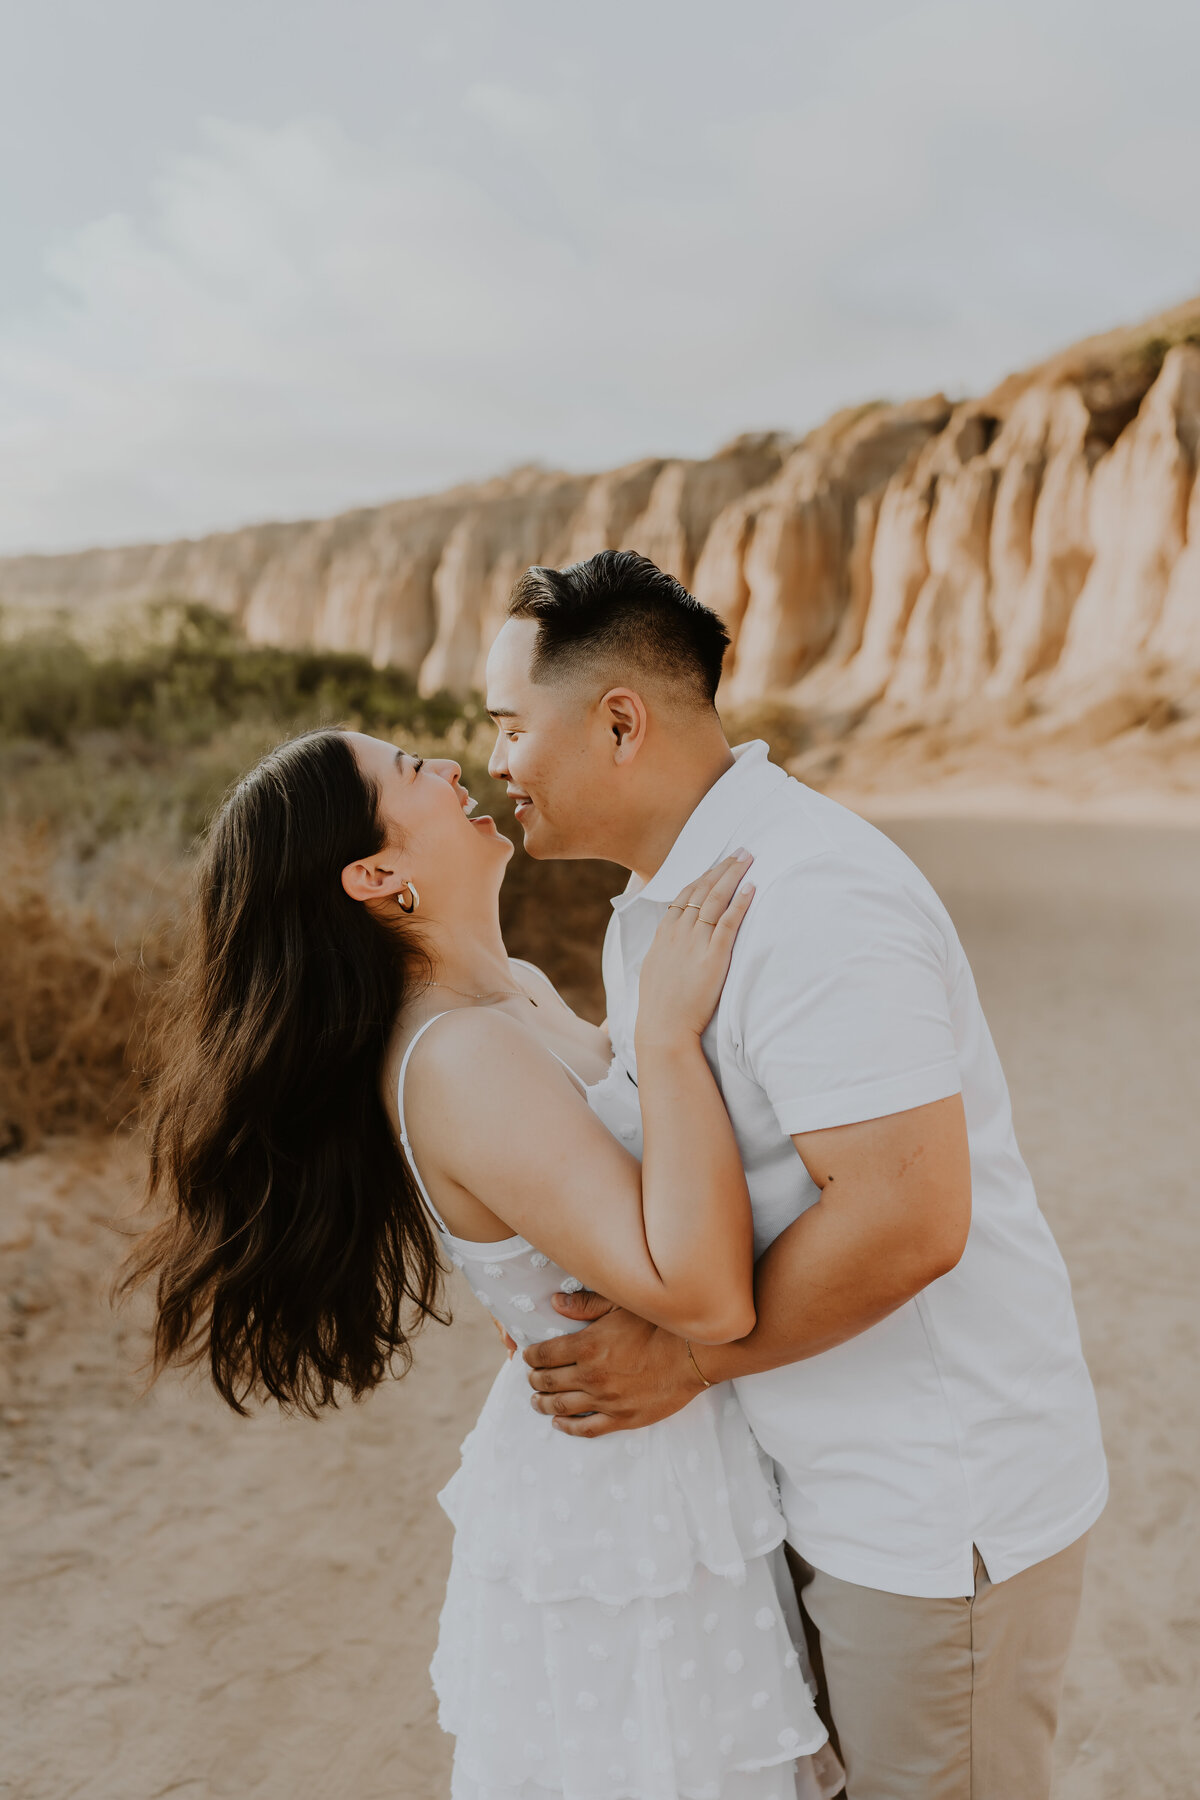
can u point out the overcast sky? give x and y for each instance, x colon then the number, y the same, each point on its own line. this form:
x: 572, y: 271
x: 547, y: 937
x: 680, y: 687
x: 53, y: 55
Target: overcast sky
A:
x: 275, y: 259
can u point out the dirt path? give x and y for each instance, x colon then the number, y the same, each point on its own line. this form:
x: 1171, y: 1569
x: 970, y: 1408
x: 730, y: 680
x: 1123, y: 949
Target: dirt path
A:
x: 197, y: 1606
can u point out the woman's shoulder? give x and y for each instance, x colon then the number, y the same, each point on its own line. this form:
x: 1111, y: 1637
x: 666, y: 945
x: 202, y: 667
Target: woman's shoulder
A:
x: 453, y: 1030
x: 467, y: 1043
x: 439, y: 1059
x: 429, y: 1044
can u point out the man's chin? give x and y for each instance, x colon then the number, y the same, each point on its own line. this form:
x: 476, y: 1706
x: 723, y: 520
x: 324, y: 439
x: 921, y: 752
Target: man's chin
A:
x: 541, y: 851
x: 536, y: 845
x: 542, y: 846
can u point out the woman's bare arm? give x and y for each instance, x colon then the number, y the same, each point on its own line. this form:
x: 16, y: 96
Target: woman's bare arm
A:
x: 495, y: 1115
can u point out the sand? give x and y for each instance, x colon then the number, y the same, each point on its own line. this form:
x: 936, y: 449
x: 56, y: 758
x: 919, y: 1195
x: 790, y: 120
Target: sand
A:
x: 194, y: 1606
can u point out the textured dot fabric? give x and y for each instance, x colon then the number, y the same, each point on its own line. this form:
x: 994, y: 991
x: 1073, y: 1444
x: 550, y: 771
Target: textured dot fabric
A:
x: 619, y: 1622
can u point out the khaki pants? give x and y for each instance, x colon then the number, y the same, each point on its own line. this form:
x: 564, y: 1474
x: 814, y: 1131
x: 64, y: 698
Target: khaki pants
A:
x: 945, y: 1699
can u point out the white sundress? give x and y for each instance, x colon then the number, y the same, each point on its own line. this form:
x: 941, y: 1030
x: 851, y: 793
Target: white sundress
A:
x: 619, y: 1623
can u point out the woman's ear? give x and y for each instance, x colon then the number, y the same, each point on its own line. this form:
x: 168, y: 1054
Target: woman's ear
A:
x: 370, y: 881
x: 626, y: 720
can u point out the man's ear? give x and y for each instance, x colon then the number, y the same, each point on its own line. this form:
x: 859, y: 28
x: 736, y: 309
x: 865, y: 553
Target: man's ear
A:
x: 626, y: 719
x: 370, y: 881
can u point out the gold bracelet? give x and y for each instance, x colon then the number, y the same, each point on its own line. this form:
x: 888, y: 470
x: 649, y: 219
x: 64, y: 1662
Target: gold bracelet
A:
x: 696, y: 1365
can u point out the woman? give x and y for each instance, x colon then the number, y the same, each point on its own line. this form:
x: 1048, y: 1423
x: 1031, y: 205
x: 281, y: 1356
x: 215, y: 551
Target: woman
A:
x: 357, y: 1076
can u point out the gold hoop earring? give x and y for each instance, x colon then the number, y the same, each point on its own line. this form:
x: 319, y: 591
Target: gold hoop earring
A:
x: 414, y: 899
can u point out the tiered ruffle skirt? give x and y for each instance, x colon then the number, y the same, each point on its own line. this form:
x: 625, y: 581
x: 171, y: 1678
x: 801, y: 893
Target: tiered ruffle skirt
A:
x: 619, y: 1624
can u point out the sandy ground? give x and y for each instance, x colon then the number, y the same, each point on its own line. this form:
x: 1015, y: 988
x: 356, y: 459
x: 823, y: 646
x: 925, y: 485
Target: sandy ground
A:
x: 193, y: 1605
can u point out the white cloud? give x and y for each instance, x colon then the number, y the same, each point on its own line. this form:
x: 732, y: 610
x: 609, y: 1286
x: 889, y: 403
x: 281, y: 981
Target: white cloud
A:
x: 309, y: 318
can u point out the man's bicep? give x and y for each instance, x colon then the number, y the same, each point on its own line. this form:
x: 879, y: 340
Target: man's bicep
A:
x: 908, y: 1173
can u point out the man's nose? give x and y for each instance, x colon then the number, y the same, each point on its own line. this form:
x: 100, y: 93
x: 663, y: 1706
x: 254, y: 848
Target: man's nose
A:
x: 498, y: 761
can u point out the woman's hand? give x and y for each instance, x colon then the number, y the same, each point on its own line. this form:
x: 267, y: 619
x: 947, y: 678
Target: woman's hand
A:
x: 686, y: 965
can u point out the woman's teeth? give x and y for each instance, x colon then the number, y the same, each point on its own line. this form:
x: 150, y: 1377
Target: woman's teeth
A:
x: 469, y: 808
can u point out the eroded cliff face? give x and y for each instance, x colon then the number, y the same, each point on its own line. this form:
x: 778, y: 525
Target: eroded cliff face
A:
x: 1036, y: 552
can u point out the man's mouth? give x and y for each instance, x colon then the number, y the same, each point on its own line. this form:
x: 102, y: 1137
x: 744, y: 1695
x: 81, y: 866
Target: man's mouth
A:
x: 522, y: 804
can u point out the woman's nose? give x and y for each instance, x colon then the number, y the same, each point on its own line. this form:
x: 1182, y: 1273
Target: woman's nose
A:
x: 441, y: 765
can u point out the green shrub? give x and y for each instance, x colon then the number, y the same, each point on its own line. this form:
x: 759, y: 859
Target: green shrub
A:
x: 112, y: 764
x: 190, y: 675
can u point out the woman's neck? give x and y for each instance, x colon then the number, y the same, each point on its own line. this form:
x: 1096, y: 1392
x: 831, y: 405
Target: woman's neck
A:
x: 468, y: 954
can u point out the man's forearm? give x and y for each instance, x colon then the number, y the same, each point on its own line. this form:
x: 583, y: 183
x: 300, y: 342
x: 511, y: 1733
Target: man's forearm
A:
x: 820, y: 1283
x: 894, y: 1215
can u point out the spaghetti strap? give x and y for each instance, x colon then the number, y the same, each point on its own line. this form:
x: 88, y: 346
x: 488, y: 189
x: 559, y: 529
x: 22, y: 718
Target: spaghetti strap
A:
x: 522, y: 962
x: 578, y: 1082
x: 404, y: 1138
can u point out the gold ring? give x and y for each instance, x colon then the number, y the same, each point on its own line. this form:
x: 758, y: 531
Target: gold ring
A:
x: 694, y: 903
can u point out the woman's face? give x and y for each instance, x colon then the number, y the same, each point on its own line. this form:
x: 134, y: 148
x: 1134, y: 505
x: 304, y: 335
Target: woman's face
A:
x: 432, y: 839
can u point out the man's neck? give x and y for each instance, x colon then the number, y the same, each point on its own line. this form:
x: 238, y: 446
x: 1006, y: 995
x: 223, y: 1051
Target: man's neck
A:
x: 678, y: 791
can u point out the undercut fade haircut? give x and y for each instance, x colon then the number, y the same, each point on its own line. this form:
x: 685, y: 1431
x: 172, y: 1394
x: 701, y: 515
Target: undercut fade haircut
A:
x: 620, y: 615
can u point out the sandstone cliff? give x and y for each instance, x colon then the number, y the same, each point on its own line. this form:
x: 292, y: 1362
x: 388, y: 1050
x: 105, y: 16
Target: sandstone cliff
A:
x: 1031, y: 555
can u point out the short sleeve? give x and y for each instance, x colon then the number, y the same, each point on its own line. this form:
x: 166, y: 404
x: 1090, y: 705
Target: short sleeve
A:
x: 842, y: 1008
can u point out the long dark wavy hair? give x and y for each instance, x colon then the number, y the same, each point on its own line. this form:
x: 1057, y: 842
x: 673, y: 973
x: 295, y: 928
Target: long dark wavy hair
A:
x: 295, y: 1254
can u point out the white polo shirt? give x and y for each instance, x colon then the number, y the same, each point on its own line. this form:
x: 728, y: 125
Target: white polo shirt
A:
x: 967, y: 1417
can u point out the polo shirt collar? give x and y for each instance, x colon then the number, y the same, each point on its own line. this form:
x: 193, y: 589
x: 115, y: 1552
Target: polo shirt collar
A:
x: 714, y: 825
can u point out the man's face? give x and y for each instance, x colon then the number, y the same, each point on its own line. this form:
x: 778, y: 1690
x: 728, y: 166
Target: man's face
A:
x: 552, y: 751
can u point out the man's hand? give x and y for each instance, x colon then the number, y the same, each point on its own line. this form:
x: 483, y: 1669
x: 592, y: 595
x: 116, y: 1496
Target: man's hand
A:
x: 618, y: 1374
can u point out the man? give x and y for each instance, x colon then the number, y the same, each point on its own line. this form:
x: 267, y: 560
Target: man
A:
x: 915, y: 1372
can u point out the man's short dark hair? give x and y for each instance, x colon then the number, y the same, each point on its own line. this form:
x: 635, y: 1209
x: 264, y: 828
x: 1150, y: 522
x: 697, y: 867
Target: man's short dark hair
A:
x: 620, y: 613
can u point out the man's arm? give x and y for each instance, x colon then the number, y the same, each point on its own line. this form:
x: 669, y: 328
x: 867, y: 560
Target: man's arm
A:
x: 893, y: 1216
